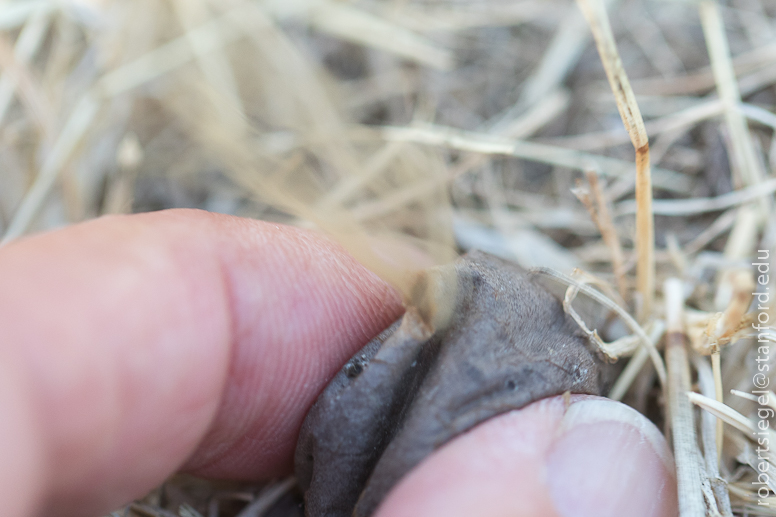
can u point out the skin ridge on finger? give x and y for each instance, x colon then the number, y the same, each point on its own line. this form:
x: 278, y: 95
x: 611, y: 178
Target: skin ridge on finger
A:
x: 86, y: 374
x: 349, y: 305
x: 214, y: 264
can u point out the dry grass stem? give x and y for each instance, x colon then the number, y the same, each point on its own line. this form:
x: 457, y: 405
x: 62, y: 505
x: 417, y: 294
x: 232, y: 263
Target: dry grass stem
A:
x: 724, y: 412
x: 27, y: 45
x: 595, y: 12
x: 716, y: 369
x: 82, y: 116
x: 553, y: 155
x: 710, y: 438
x: 682, y: 207
x: 266, y: 498
x: 743, y: 155
x: 561, y: 54
x: 675, y: 122
x: 600, y: 213
x: 637, y: 362
x: 688, y: 469
x: 631, y: 323
x: 353, y: 24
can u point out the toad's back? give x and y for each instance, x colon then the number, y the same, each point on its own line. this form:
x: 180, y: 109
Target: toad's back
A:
x: 508, y: 344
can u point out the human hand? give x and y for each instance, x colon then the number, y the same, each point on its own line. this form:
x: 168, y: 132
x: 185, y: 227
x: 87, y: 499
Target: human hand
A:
x: 136, y: 346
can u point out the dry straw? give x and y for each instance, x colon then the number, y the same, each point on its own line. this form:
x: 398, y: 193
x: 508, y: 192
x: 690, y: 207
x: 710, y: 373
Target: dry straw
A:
x: 595, y: 12
x: 683, y: 430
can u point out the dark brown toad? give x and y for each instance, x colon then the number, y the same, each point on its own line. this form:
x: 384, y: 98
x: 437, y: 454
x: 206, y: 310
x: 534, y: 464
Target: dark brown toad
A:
x: 507, y: 344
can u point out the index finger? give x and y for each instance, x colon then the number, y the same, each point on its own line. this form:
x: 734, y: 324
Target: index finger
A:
x: 140, y: 343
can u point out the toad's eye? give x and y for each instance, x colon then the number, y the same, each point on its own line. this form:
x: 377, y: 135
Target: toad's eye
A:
x: 354, y: 368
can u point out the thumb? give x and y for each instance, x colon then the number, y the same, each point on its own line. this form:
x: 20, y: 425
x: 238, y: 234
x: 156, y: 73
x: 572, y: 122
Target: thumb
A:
x: 589, y: 457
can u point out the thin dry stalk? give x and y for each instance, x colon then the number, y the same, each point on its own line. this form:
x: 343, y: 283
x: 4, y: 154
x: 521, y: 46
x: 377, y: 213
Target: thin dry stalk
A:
x: 523, y: 126
x: 210, y: 55
x: 631, y: 323
x: 142, y: 70
x: 120, y: 189
x: 770, y: 402
x: 19, y: 79
x: 348, y: 22
x: 595, y: 12
x: 757, y: 114
x: 720, y: 225
x: 716, y: 369
x: 553, y: 155
x: 682, y: 121
x: 27, y: 45
x: 561, y: 55
x: 744, y: 161
x: 731, y: 323
x: 688, y: 469
x: 700, y: 80
x: 603, y: 220
x: 733, y: 418
x: 349, y: 187
x: 746, y: 164
x: 636, y: 363
x: 267, y: 498
x: 743, y: 237
x: 711, y: 451
x: 77, y: 125
x: 683, y: 207
x: 450, y: 17
x: 217, y: 31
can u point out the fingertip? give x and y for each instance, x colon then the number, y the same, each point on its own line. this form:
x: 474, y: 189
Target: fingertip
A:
x: 302, y: 306
x: 145, y: 338
x: 598, y: 458
x: 120, y: 333
x: 609, y: 460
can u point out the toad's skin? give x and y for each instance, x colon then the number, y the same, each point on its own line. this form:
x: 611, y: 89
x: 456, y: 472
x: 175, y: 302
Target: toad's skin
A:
x: 507, y: 344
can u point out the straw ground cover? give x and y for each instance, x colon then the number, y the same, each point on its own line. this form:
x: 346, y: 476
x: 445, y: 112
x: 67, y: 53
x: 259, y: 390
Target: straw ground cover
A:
x: 410, y: 128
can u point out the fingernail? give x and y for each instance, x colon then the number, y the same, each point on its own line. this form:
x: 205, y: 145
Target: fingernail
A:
x: 609, y: 460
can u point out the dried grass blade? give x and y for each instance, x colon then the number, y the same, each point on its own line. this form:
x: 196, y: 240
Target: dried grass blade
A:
x: 609, y: 304
x: 488, y: 144
x: 595, y: 12
x: 700, y: 205
x: 76, y: 127
x: 177, y: 52
x: 608, y: 231
x: 724, y: 412
x: 708, y: 438
x: 210, y: 55
x: 267, y: 498
x: 743, y: 155
x: 562, y: 53
x: 14, y: 14
x: 681, y: 121
x: 345, y: 21
x: 27, y: 45
x: 636, y: 363
x: 688, y: 468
